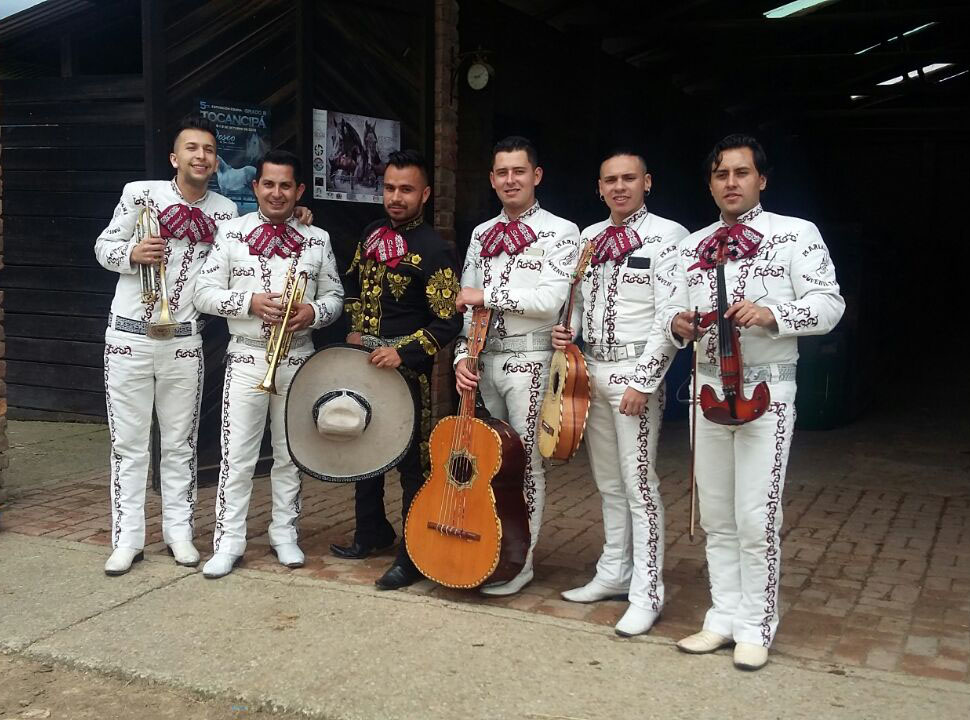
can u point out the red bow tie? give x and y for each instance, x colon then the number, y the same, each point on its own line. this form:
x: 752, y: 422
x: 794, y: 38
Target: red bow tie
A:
x: 269, y: 239
x: 510, y: 237
x: 387, y: 245
x: 615, y: 243
x: 183, y: 222
x: 740, y: 241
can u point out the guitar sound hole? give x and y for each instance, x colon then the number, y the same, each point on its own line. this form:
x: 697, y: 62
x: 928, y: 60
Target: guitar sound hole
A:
x: 461, y: 469
x: 555, y: 383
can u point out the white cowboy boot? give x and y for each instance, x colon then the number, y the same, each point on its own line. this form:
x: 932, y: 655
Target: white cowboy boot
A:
x: 750, y: 657
x: 184, y: 553
x: 705, y: 641
x: 290, y: 555
x: 594, y: 591
x: 635, y: 621
x: 220, y: 565
x: 121, y: 559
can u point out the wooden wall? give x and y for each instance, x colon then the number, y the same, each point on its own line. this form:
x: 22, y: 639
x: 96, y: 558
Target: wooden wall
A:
x: 68, y: 146
x: 70, y: 143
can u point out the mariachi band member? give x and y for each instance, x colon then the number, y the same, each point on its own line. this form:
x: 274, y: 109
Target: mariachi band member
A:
x: 401, y: 292
x: 625, y: 285
x: 780, y: 284
x: 519, y: 264
x: 142, y: 372
x: 243, y: 280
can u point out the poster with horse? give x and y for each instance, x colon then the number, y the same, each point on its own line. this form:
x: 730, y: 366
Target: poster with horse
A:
x: 243, y: 135
x: 349, y: 155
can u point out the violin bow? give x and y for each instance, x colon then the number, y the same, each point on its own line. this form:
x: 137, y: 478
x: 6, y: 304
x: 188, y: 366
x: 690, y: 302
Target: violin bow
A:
x: 693, y: 433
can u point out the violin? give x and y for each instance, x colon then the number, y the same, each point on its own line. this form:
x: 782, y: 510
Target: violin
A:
x: 735, y: 408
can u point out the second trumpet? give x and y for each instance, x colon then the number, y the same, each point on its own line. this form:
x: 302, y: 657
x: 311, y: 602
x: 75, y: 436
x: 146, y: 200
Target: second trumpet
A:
x: 278, y: 345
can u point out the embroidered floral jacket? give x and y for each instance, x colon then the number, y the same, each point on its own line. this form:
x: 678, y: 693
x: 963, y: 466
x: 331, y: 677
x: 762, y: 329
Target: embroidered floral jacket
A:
x: 619, y: 301
x: 184, y: 257
x: 232, y: 275
x: 527, y: 290
x: 791, y: 274
x: 414, y: 301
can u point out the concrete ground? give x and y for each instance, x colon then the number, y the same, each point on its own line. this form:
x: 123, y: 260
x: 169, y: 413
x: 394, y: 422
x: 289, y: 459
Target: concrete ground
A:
x: 875, y: 599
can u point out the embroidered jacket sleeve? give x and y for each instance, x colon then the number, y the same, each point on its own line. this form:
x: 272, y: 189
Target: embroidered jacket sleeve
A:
x: 328, y: 301
x: 445, y: 322
x: 660, y: 350
x: 213, y: 292
x: 817, y: 306
x: 676, y: 299
x: 471, y: 276
x: 352, y: 305
x: 550, y: 291
x: 114, y: 244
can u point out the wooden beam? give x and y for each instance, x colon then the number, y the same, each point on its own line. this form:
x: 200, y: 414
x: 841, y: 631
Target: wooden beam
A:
x: 153, y: 71
x: 305, y: 50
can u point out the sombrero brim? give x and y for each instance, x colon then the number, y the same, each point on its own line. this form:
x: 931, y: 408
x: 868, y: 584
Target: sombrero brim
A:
x: 384, y: 441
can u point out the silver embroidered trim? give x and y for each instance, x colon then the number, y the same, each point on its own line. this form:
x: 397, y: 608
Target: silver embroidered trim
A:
x: 777, y: 372
x: 519, y: 343
x: 139, y: 327
x: 250, y: 342
x: 614, y: 353
x: 372, y: 342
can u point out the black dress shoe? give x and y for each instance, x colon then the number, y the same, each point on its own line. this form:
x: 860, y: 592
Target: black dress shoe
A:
x: 397, y: 577
x: 356, y: 551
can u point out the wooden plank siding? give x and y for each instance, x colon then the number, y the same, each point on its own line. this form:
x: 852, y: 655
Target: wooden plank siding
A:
x: 68, y: 146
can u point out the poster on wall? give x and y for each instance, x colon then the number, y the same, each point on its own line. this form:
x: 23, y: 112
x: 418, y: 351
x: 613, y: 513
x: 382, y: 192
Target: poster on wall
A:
x: 349, y: 155
x: 243, y: 137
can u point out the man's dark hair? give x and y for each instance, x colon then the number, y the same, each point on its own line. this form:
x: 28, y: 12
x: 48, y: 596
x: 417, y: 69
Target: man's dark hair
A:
x: 733, y: 142
x: 410, y: 158
x: 513, y: 143
x: 281, y: 157
x: 196, y: 122
x: 617, y: 152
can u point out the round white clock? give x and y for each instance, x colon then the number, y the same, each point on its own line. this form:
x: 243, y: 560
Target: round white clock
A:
x: 478, y: 75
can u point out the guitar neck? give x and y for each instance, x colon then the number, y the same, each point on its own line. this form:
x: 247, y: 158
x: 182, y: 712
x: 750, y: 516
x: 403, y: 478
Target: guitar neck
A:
x: 466, y: 405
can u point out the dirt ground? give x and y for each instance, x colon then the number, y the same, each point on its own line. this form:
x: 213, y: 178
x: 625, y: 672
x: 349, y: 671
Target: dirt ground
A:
x: 30, y: 689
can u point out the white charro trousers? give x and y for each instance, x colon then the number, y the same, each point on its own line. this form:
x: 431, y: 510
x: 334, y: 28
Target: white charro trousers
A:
x: 622, y: 455
x: 512, y: 385
x: 141, y: 373
x: 243, y: 421
x: 740, y: 478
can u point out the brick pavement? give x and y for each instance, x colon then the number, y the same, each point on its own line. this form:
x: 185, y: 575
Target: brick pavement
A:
x: 875, y: 571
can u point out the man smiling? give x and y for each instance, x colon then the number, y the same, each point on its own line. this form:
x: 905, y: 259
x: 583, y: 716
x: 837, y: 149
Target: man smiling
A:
x: 142, y: 372
x: 622, y: 291
x: 242, y: 281
x: 519, y: 264
x: 780, y: 283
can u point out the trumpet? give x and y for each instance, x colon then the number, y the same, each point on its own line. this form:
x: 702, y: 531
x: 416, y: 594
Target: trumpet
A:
x: 278, y: 345
x: 153, y: 285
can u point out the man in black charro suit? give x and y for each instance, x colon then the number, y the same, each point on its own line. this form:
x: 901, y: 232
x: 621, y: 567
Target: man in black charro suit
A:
x: 400, y: 298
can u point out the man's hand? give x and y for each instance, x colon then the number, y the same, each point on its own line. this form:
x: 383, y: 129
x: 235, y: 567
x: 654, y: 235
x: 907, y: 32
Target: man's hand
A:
x: 683, y: 325
x: 633, y: 402
x: 303, y: 214
x: 301, y: 317
x: 385, y: 357
x: 267, y: 307
x: 561, y: 337
x: 747, y: 314
x: 465, y: 379
x: 469, y: 297
x: 355, y: 338
x: 149, y: 251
